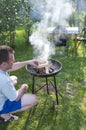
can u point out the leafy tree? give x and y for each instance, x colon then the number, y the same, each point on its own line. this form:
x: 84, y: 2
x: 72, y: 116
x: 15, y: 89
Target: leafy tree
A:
x: 27, y: 21
x: 9, y: 19
x: 13, y: 14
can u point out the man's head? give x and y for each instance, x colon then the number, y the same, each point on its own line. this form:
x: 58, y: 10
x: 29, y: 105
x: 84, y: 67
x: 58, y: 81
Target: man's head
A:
x: 6, y: 57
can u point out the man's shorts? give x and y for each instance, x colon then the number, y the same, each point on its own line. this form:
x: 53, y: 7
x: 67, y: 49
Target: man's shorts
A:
x: 11, y: 106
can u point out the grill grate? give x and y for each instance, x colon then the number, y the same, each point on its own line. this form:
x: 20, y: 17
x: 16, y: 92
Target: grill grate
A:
x: 56, y: 68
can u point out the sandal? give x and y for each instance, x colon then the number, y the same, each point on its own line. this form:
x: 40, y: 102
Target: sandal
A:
x: 10, y: 119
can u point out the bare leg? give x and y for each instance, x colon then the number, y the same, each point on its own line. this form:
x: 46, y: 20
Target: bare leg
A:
x: 27, y: 101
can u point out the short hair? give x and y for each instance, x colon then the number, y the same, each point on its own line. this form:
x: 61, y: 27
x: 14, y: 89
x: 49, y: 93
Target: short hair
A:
x: 4, y: 53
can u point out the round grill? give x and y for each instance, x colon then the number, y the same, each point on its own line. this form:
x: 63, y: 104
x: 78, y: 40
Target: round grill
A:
x: 57, y: 66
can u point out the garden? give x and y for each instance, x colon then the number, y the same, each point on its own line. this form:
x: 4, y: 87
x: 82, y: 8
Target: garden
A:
x: 71, y: 83
x: 70, y: 112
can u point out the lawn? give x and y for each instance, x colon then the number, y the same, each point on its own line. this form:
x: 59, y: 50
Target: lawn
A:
x: 70, y: 114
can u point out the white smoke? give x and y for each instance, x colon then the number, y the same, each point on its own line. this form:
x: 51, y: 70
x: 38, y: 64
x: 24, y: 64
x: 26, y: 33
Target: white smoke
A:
x: 53, y: 12
x: 42, y: 47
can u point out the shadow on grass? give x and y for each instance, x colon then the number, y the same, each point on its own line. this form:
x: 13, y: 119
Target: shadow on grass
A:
x: 41, y: 116
x: 3, y: 126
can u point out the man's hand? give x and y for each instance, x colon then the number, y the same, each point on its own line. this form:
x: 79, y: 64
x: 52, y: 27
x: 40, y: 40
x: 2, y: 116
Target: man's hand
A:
x: 14, y: 79
x: 21, y: 91
x: 24, y: 87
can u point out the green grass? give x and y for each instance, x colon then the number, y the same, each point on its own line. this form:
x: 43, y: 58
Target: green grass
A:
x: 70, y: 114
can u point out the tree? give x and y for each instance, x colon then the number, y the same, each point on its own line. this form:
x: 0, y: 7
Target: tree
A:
x: 8, y: 20
x: 14, y: 13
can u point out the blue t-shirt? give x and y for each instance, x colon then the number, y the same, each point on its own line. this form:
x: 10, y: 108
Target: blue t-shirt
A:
x: 7, y: 89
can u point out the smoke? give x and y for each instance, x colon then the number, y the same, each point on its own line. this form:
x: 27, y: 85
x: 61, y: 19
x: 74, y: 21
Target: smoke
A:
x: 80, y: 5
x: 42, y: 47
x: 53, y: 12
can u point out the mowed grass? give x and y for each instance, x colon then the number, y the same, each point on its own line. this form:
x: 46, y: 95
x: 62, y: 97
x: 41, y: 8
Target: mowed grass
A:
x: 70, y: 114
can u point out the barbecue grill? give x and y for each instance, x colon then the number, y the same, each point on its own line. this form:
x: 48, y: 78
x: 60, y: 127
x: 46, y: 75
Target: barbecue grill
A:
x: 53, y: 71
x: 59, y: 35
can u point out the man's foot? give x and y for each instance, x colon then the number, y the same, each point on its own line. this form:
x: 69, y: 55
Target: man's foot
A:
x: 8, y: 118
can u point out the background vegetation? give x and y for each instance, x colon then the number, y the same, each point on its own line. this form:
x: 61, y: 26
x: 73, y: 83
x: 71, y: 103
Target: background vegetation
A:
x: 16, y: 14
x: 70, y: 114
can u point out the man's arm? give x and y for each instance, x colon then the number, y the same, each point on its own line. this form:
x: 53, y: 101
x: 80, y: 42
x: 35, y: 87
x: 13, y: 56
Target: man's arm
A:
x: 18, y: 65
x: 21, y: 91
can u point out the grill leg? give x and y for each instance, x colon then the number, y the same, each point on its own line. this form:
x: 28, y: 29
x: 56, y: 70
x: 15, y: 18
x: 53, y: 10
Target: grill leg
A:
x: 47, y: 85
x: 33, y: 81
x: 56, y: 92
x: 54, y: 85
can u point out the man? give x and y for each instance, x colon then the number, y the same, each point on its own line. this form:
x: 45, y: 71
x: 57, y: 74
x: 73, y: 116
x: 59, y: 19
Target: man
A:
x: 12, y: 100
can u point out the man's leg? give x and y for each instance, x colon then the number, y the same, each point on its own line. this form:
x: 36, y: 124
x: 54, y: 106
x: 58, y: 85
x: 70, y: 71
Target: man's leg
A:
x: 27, y: 101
